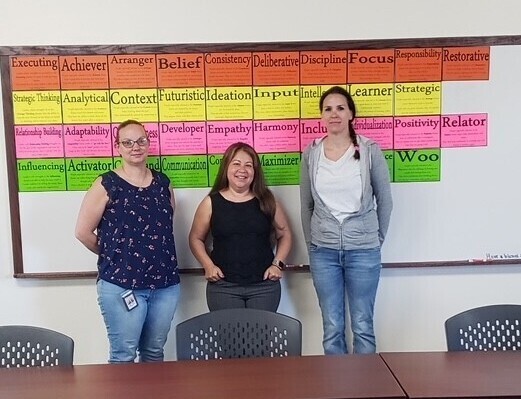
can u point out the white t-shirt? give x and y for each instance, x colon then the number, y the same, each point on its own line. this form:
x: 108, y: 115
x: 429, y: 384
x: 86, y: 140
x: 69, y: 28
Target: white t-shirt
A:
x: 339, y: 183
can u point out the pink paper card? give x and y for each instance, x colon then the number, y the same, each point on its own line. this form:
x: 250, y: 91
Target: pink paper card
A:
x: 377, y: 129
x: 39, y: 141
x: 310, y: 129
x: 416, y: 132
x: 221, y: 135
x: 466, y: 130
x: 184, y: 138
x: 87, y: 140
x: 276, y: 136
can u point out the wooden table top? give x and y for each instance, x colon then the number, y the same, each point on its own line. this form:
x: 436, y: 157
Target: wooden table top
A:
x: 349, y: 376
x: 457, y: 374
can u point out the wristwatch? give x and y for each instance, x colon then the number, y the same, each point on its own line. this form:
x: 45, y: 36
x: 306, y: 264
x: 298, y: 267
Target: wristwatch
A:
x: 278, y: 263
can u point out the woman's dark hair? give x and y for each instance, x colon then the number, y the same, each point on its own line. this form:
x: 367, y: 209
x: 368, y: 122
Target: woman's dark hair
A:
x: 352, y: 108
x: 258, y: 185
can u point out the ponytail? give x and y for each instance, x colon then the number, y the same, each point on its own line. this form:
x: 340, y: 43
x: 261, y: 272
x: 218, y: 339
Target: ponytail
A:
x: 354, y: 140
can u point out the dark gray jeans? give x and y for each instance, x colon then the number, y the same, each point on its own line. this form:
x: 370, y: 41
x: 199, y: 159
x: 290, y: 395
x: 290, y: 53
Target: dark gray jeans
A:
x: 224, y: 295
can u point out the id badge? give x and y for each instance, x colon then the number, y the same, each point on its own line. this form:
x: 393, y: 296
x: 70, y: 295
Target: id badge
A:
x: 129, y: 299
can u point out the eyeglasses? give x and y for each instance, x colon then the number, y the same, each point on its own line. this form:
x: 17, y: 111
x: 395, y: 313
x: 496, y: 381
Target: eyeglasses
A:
x: 142, y: 142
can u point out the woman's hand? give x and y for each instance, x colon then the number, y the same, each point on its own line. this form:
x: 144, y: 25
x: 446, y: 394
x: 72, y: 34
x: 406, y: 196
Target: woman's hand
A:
x: 213, y: 274
x: 273, y: 273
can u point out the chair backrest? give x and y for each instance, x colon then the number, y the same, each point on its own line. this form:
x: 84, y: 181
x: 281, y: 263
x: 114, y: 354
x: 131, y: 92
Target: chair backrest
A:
x: 234, y: 333
x: 27, y: 346
x: 487, y: 328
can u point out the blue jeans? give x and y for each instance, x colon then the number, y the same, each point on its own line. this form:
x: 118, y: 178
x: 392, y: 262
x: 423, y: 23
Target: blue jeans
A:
x: 143, y: 329
x: 335, y: 273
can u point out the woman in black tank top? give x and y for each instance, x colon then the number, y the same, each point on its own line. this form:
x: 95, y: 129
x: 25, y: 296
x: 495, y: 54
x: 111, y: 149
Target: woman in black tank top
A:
x: 247, y: 225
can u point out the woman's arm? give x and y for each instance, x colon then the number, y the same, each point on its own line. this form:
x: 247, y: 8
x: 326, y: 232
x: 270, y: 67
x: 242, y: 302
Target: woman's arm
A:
x: 197, y: 239
x: 306, y: 198
x: 380, y: 181
x: 90, y: 214
x: 283, y: 234
x: 172, y: 197
x: 284, y: 241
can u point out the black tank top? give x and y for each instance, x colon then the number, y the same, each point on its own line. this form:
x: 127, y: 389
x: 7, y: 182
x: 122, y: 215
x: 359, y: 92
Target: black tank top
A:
x: 241, y: 239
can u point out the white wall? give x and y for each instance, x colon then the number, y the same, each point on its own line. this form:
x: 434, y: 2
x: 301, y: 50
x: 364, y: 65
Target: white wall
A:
x: 412, y: 304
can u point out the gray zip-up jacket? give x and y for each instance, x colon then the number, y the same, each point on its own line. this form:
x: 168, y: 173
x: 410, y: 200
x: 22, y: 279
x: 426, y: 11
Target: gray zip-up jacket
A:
x: 362, y: 230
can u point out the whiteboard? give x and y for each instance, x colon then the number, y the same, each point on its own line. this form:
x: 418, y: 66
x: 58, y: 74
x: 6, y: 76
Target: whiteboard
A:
x: 473, y: 211
x: 61, y: 252
x: 471, y: 215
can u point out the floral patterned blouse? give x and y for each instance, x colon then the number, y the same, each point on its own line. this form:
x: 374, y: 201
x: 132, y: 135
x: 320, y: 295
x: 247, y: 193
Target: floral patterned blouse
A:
x: 135, y: 234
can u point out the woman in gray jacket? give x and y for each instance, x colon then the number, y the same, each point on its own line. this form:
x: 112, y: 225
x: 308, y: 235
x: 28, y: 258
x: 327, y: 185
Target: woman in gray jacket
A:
x: 346, y: 206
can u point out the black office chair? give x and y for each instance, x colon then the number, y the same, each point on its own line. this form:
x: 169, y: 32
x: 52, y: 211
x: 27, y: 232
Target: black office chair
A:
x: 487, y: 328
x: 236, y: 333
x: 27, y: 346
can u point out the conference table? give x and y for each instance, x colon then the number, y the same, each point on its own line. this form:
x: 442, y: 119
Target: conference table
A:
x: 457, y: 374
x: 312, y: 377
x: 388, y: 375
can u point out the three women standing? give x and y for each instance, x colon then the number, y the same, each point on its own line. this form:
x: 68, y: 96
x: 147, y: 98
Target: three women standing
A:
x: 126, y: 218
